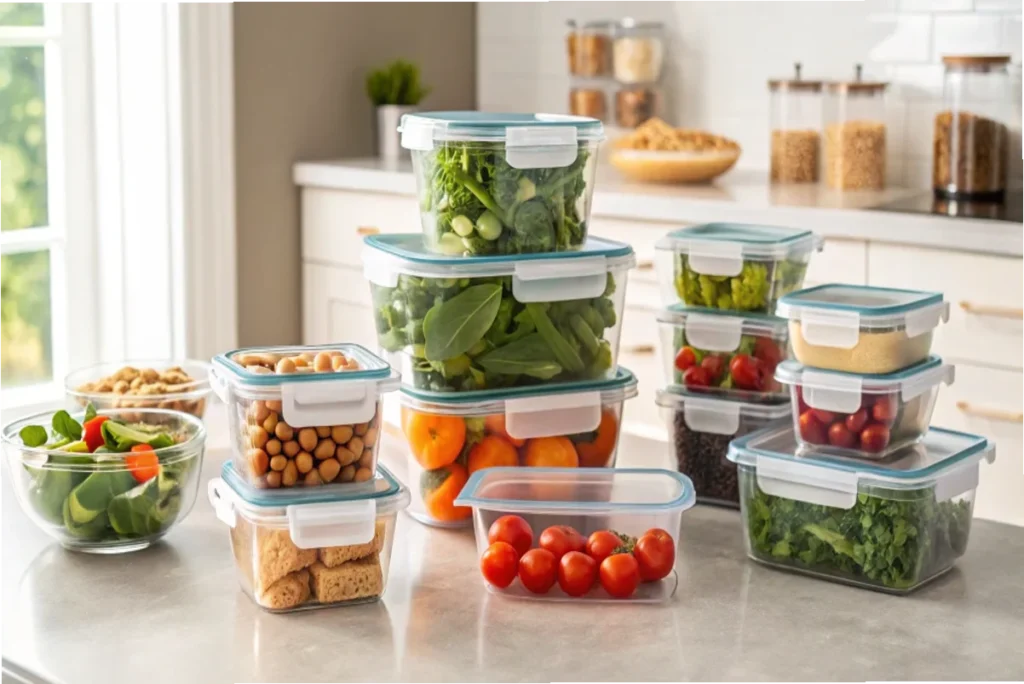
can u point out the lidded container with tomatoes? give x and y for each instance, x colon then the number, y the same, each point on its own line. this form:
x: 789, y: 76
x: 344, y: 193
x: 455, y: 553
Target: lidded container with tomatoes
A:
x: 450, y: 436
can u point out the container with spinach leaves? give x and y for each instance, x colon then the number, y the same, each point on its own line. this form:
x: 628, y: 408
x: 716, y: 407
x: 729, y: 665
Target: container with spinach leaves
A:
x: 502, y: 183
x: 454, y: 324
x: 99, y: 483
x: 890, y: 526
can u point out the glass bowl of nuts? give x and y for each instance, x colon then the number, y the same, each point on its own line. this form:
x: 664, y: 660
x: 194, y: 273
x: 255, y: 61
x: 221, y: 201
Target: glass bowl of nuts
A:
x: 174, y: 384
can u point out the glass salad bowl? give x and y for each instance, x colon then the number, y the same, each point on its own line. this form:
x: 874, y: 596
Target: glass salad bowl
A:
x: 105, y: 482
x: 174, y: 384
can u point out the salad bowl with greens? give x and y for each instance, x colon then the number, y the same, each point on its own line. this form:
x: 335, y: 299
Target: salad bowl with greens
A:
x: 100, y: 483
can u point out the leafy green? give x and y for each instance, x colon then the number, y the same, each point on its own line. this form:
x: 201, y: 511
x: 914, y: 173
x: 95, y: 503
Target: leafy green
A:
x: 462, y: 320
x: 560, y: 346
x: 33, y: 435
x: 66, y: 426
x: 119, y: 437
x: 529, y: 355
x: 398, y: 83
x: 90, y: 413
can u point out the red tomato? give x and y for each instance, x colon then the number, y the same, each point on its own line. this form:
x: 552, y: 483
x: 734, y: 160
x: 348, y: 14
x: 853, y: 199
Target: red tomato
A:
x: 603, y: 543
x: 696, y: 376
x: 142, y: 462
x: 655, y: 554
x: 91, y: 432
x: 767, y: 351
x: 747, y: 372
x: 499, y: 564
x: 811, y: 431
x: 824, y: 417
x: 514, y: 531
x: 686, y: 358
x: 620, y: 574
x: 561, y: 539
x: 839, y: 435
x: 714, y: 365
x: 577, y: 573
x: 537, y: 570
x: 874, y: 438
x: 801, y: 404
x: 856, y: 421
x: 885, y: 410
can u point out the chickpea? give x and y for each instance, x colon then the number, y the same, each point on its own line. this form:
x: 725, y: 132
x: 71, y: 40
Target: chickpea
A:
x: 312, y: 479
x: 278, y: 462
x: 259, y: 370
x: 351, y: 364
x: 304, y: 462
x: 322, y: 362
x: 307, y: 357
x: 341, y: 433
x: 258, y: 436
x: 291, y: 448
x: 307, y: 439
x: 283, y: 431
x: 338, y: 363
x: 245, y: 359
x: 274, y: 405
x: 344, y: 456
x: 329, y: 470
x: 355, y: 445
x: 285, y: 366
x: 273, y: 479
x: 347, y: 473
x: 363, y: 474
x: 290, y: 474
x: 260, y: 411
x: 325, y: 449
x: 300, y: 362
x: 270, y: 424
x: 258, y: 461
x: 370, y: 438
x: 323, y: 431
x: 334, y: 352
x: 366, y: 460
x: 362, y: 428
x: 272, y: 447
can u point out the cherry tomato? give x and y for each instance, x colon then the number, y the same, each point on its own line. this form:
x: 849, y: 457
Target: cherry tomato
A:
x: 620, y: 574
x: 714, y: 365
x: 696, y: 376
x: 856, y: 421
x: 499, y: 564
x: 686, y: 358
x: 839, y: 435
x: 603, y: 543
x: 538, y: 569
x: 767, y: 351
x: 874, y: 438
x: 811, y: 431
x: 513, y: 530
x: 655, y: 554
x: 885, y: 410
x: 801, y: 404
x: 824, y: 417
x: 747, y: 372
x: 142, y: 463
x: 91, y: 434
x: 561, y: 539
x: 577, y: 573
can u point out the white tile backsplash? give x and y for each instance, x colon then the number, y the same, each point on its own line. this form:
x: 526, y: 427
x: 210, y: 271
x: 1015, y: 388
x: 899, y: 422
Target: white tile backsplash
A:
x: 909, y: 39
x: 965, y: 34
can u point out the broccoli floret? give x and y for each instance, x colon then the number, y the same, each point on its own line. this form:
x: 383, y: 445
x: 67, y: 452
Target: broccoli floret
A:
x: 534, y: 228
x: 750, y: 288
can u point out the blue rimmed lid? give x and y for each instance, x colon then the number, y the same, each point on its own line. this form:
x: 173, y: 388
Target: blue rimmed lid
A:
x: 370, y: 365
x: 720, y: 248
x: 721, y: 330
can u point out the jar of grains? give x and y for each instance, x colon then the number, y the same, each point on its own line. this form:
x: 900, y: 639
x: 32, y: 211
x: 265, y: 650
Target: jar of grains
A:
x: 590, y: 48
x: 796, y: 129
x: 588, y: 101
x: 855, y: 134
x: 638, y: 52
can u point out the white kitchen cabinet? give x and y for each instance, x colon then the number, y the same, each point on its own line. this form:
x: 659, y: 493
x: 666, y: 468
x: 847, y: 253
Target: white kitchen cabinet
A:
x: 335, y: 222
x: 840, y: 261
x: 336, y: 306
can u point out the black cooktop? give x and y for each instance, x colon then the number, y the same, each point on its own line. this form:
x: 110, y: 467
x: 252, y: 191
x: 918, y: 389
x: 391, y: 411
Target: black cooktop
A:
x: 1008, y: 209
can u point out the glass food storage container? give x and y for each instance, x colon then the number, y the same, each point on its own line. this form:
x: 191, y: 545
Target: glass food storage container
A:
x: 720, y: 354
x: 700, y: 429
x: 303, y: 415
x: 456, y: 325
x: 855, y: 134
x: 863, y: 416
x: 795, y: 129
x: 588, y: 101
x: 174, y: 384
x: 635, y: 105
x: 972, y: 140
x: 590, y: 48
x: 312, y: 548
x: 890, y: 526
x: 111, y: 481
x: 862, y: 329
x: 733, y: 266
x: 593, y: 511
x: 452, y: 436
x: 638, y: 51
x: 503, y: 183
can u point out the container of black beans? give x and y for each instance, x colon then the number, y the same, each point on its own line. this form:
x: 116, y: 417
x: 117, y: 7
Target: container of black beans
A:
x: 700, y: 431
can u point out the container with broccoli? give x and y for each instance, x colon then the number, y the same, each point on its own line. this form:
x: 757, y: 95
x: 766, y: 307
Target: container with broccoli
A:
x: 503, y: 183
x: 455, y: 324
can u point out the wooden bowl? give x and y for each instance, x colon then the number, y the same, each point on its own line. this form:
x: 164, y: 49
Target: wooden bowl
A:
x: 656, y: 166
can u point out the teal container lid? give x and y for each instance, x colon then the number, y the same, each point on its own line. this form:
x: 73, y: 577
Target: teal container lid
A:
x: 739, y: 240
x: 383, y: 486
x: 721, y: 329
x: 490, y: 126
x: 370, y: 365
x: 865, y: 300
x: 617, y: 388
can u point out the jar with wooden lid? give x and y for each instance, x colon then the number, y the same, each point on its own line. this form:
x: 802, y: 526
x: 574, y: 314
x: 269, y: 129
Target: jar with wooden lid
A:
x: 638, y: 52
x: 590, y: 48
x: 635, y: 105
x: 854, y: 113
x: 588, y: 100
x: 795, y: 128
x: 971, y: 144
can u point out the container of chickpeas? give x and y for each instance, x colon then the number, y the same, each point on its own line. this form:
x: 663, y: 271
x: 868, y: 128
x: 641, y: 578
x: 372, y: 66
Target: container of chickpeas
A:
x: 305, y: 416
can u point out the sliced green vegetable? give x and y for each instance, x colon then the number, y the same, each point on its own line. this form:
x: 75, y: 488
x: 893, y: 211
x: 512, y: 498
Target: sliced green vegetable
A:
x: 584, y: 334
x: 562, y: 350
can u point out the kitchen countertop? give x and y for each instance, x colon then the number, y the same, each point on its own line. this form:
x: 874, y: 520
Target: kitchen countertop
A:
x: 175, y: 613
x: 743, y: 196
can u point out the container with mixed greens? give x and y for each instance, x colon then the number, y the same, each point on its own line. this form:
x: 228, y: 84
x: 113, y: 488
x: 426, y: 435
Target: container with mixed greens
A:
x: 503, y: 183
x: 451, y: 324
x: 99, y: 483
x: 890, y: 526
x: 734, y: 267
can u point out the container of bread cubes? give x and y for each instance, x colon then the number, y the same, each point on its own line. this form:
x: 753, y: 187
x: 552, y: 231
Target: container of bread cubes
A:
x: 310, y: 547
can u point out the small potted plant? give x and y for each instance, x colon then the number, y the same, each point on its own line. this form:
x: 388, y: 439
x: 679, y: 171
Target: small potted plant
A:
x: 394, y: 90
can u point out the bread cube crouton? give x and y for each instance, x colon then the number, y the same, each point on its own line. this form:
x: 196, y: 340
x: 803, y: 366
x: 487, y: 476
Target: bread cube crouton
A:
x: 355, y: 579
x: 333, y: 556
x: 289, y: 591
x: 277, y: 556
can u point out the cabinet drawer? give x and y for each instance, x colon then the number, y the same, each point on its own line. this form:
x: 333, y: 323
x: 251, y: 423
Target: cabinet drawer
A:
x: 334, y: 222
x: 841, y: 261
x: 336, y: 306
x: 984, y: 293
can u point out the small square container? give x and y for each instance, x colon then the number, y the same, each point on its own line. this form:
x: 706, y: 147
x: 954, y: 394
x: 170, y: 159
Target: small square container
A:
x: 312, y: 548
x: 502, y: 183
x: 452, y: 436
x: 457, y: 325
x: 733, y: 266
x: 733, y: 356
x: 304, y: 424
x: 889, y: 526
x: 700, y: 429
x: 863, y: 416
x: 862, y: 329
x: 629, y: 501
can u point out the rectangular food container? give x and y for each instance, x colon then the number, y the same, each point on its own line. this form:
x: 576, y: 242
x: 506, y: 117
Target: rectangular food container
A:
x: 733, y: 266
x: 629, y: 501
x: 314, y: 547
x: 732, y: 356
x: 700, y: 430
x: 315, y: 420
x: 889, y: 526
x: 452, y: 436
x: 862, y: 329
x: 457, y: 325
x: 863, y: 416
x: 503, y: 183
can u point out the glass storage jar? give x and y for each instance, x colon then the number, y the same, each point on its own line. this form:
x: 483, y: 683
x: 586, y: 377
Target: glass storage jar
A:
x: 588, y: 101
x: 855, y: 134
x: 638, y: 51
x: 796, y: 128
x: 971, y: 144
x: 636, y: 104
x: 590, y: 48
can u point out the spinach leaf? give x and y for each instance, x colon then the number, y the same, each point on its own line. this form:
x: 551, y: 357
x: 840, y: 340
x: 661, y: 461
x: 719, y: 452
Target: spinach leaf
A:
x: 90, y: 413
x: 560, y: 347
x: 528, y: 356
x: 461, y: 321
x: 66, y: 426
x: 119, y: 438
x: 33, y: 435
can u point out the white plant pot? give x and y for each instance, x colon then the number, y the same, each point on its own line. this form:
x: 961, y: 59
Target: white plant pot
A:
x: 388, y: 140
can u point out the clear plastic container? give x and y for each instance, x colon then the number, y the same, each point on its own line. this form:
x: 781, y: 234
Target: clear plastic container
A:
x: 452, y: 436
x: 174, y: 384
x: 457, y: 325
x: 795, y: 128
x: 855, y: 134
x: 589, y: 48
x: 863, y: 416
x: 723, y: 355
x: 862, y: 329
x: 314, y: 548
x: 972, y: 138
x: 312, y: 427
x: 638, y: 52
x: 733, y: 266
x: 503, y: 183
x: 700, y: 429
x: 629, y: 501
x: 107, y: 502
x: 889, y: 526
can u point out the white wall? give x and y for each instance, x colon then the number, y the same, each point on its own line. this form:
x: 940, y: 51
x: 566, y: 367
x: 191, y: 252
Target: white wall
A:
x: 722, y: 53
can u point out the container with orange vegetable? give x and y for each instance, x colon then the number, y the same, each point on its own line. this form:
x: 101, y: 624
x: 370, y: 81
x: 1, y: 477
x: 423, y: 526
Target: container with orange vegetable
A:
x: 453, y: 435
